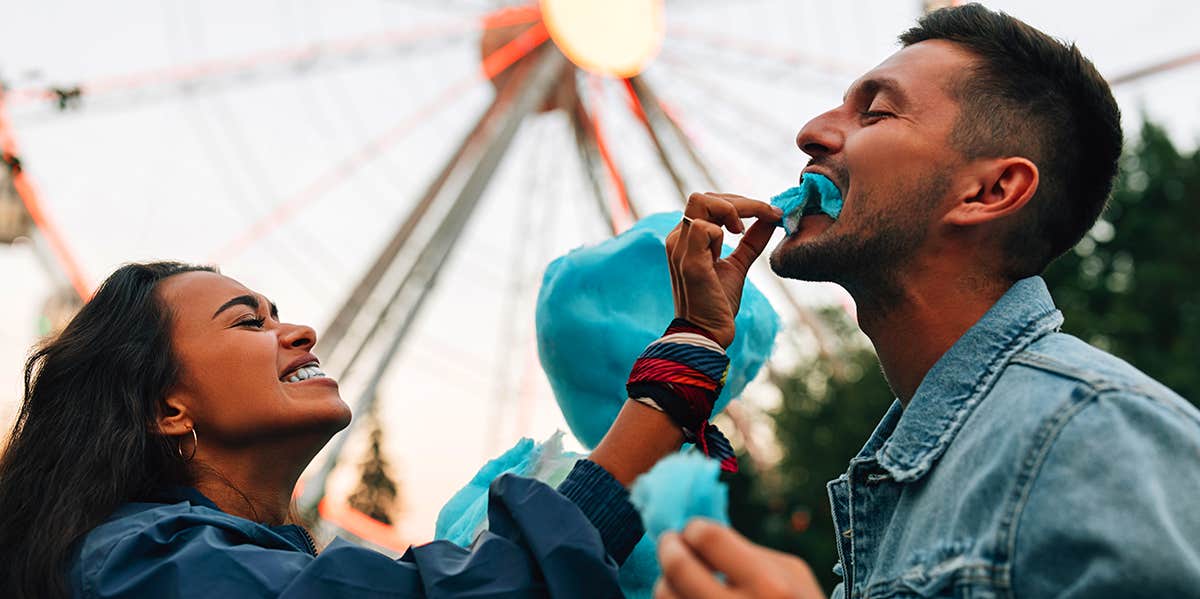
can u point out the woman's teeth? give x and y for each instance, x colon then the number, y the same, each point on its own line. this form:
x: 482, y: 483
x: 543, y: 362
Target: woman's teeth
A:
x: 305, y: 373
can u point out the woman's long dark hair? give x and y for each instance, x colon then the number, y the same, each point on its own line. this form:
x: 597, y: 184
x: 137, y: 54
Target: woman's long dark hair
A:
x: 85, y: 440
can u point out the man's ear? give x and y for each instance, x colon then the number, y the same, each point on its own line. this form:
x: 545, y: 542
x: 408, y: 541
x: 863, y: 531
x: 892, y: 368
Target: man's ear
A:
x: 999, y: 188
x: 176, y: 418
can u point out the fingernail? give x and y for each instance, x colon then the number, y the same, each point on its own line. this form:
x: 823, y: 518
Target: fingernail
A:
x: 668, y: 541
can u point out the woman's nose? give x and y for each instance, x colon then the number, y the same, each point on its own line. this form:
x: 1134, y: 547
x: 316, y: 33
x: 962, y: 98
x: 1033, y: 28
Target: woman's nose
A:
x: 821, y: 136
x: 298, y: 335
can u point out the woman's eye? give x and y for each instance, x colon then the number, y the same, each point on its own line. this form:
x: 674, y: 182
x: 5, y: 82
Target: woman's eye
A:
x: 252, y: 322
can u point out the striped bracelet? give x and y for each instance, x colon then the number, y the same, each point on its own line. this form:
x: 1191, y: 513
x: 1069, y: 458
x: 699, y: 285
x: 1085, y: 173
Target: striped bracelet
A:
x: 681, y: 374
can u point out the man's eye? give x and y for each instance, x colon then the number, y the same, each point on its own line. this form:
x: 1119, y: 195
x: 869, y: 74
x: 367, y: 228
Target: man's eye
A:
x: 874, y: 115
x: 252, y: 322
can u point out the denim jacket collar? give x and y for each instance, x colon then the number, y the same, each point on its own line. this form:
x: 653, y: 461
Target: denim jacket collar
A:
x: 909, y: 441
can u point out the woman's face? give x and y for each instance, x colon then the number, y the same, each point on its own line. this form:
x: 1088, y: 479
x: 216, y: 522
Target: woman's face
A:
x: 236, y: 360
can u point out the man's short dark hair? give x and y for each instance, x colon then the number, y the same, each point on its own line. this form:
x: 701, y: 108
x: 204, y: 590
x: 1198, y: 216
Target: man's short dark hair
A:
x: 1033, y: 96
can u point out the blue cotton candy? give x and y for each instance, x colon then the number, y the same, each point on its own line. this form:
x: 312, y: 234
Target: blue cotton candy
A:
x: 465, y: 515
x: 816, y: 194
x: 680, y: 487
x: 598, y: 308
x: 600, y: 305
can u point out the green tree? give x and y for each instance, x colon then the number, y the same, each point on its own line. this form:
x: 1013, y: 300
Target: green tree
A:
x: 1132, y: 286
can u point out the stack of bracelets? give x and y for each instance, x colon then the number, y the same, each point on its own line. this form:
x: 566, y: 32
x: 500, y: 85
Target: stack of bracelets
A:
x: 681, y: 374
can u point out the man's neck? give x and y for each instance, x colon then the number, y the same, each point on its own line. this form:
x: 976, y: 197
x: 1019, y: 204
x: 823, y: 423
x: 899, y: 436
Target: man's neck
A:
x: 919, y: 319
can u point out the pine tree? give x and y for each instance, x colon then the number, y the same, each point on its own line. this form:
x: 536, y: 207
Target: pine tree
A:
x: 376, y: 494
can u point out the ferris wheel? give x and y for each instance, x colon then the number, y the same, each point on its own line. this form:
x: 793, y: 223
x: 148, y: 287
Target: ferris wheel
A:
x: 553, y: 86
x: 558, y: 123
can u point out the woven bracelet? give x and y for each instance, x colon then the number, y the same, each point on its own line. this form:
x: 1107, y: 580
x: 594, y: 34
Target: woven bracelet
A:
x: 682, y: 374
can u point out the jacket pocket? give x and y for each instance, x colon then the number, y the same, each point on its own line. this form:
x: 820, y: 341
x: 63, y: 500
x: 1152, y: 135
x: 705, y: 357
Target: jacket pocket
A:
x: 959, y: 577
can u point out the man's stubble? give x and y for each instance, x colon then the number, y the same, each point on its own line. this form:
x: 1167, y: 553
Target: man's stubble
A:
x: 868, y: 259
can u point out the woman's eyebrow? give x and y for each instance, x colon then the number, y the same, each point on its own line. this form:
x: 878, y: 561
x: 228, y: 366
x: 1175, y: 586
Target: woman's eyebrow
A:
x: 241, y: 300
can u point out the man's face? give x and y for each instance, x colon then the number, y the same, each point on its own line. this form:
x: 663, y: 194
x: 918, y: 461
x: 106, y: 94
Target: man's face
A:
x: 887, y: 148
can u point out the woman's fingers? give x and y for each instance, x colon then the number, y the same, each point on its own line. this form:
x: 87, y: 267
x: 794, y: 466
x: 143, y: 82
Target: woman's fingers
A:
x: 672, y: 248
x: 707, y: 291
x: 752, y: 245
x: 703, y: 246
x: 727, y: 209
x: 708, y: 207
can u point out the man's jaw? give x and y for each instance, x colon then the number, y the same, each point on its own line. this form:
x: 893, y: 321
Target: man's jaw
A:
x: 811, y: 227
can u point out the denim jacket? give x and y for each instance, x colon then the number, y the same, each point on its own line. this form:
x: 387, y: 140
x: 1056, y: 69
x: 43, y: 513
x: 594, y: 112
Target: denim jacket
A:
x: 1028, y: 464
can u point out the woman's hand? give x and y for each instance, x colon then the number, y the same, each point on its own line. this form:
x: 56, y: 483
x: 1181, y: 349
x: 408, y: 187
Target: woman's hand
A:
x: 707, y: 288
x: 691, y: 560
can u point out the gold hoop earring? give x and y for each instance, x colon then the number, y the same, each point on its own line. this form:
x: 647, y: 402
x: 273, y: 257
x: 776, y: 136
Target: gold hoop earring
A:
x: 195, y: 446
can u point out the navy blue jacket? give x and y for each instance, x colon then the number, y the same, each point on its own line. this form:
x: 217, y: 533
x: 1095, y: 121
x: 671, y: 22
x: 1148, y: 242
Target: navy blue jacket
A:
x: 540, y: 543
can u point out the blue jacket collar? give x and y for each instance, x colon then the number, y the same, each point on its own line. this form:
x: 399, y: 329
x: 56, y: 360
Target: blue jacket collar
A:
x: 179, y: 493
x: 908, y: 442
x: 294, y: 534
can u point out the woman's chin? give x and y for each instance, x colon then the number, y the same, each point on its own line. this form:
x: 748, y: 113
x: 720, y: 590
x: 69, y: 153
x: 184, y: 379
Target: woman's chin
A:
x: 320, y: 400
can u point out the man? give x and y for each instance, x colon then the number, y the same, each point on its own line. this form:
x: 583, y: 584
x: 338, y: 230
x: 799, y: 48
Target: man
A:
x: 1017, y: 461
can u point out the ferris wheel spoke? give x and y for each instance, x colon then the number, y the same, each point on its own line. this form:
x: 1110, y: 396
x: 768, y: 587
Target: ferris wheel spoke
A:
x: 1156, y: 68
x: 492, y: 64
x: 626, y: 212
x: 682, y: 70
x: 27, y: 190
x: 130, y: 89
x: 290, y: 207
x: 766, y: 56
x: 725, y: 130
x: 524, y: 233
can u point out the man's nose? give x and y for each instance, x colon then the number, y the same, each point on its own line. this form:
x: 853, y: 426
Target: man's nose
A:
x: 821, y: 136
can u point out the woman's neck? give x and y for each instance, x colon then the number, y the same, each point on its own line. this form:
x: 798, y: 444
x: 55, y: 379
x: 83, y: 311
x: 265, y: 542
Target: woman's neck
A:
x: 252, y: 484
x: 272, y: 509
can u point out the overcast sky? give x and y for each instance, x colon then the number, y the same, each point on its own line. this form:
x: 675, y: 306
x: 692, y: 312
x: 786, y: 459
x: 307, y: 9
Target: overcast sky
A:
x: 166, y: 173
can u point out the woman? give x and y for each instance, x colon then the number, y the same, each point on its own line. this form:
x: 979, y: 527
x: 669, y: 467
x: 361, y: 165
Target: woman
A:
x: 163, y: 431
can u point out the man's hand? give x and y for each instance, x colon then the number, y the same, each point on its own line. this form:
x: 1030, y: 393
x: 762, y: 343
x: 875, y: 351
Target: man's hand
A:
x: 707, y: 288
x: 690, y: 561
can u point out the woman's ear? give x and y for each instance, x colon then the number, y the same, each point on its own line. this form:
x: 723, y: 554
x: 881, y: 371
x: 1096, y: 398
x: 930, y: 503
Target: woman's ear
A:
x: 1000, y: 188
x: 176, y: 418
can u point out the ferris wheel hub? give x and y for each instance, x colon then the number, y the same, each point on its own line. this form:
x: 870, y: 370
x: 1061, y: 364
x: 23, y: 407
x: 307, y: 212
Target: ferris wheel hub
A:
x: 617, y: 38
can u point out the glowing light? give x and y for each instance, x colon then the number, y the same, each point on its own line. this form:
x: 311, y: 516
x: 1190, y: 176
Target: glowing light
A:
x: 617, y: 38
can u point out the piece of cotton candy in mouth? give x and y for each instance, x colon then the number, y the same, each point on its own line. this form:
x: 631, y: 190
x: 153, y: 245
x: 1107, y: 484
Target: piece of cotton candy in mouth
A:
x: 815, y: 194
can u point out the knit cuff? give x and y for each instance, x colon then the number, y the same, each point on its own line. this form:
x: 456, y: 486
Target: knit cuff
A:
x: 606, y: 504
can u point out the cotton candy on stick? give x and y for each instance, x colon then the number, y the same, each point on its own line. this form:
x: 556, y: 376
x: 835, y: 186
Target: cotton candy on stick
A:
x: 815, y: 194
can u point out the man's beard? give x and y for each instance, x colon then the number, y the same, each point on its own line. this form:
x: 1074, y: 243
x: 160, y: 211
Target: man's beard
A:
x: 866, y: 262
